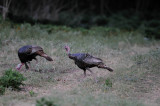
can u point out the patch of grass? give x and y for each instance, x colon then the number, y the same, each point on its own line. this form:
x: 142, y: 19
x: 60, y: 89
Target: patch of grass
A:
x: 45, y: 102
x: 108, y: 83
x: 32, y: 93
x: 148, y: 64
x: 83, y: 97
x: 140, y: 78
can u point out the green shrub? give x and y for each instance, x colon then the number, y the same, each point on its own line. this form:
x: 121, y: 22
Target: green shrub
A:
x: 44, y: 102
x: 12, y: 79
x: 32, y: 93
x: 2, y: 90
x: 108, y: 83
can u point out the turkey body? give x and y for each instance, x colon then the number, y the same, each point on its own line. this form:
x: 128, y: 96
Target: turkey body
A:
x: 85, y: 61
x: 25, y: 54
x: 29, y: 52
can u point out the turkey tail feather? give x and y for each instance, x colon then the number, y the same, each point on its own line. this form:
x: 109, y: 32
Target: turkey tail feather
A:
x: 105, y: 67
x: 109, y: 69
x: 42, y: 54
x: 47, y: 57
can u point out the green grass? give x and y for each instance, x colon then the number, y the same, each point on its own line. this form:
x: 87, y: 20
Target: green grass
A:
x: 134, y: 58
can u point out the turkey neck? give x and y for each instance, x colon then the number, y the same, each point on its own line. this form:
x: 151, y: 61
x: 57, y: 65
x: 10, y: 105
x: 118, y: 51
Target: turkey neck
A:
x: 70, y: 56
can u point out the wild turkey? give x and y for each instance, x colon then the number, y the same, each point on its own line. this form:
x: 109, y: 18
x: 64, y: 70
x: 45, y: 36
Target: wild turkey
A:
x: 29, y: 52
x: 85, y: 61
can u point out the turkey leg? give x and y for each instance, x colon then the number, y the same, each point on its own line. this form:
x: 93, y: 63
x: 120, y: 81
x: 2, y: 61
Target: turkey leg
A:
x: 92, y: 74
x: 26, y: 66
x: 84, y: 73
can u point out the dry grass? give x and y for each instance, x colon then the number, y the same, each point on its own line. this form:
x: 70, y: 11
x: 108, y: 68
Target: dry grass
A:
x: 133, y: 58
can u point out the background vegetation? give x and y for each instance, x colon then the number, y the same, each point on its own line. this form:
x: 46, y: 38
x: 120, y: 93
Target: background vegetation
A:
x: 123, y: 14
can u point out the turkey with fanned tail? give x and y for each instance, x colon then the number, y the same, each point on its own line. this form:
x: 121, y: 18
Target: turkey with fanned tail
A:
x: 29, y: 52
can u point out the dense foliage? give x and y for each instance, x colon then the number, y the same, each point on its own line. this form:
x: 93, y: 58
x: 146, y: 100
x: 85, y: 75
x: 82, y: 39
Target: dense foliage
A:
x: 12, y: 79
x: 2, y: 90
x: 126, y: 15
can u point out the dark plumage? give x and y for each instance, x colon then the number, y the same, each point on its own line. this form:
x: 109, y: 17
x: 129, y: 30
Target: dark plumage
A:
x: 29, y: 52
x: 85, y: 61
